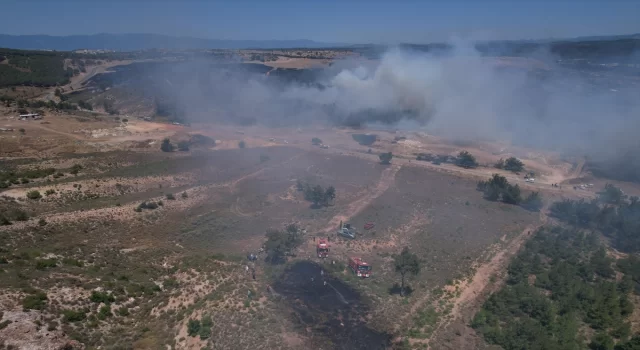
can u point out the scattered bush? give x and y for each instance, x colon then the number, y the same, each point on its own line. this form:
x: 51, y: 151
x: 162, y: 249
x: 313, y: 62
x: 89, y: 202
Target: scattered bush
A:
x: 205, y: 327
x: 42, y: 222
x: 105, y: 311
x: 44, y: 264
x: 4, y: 221
x: 49, y: 192
x: 73, y: 315
x: 35, y: 301
x: 35, y: 194
x: 21, y: 215
x: 170, y: 197
x: 102, y: 297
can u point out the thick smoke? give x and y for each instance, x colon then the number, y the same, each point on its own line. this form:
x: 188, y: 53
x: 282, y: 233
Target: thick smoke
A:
x: 461, y: 95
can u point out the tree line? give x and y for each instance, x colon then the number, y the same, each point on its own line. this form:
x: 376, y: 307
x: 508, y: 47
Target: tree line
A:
x: 612, y: 213
x: 561, y: 280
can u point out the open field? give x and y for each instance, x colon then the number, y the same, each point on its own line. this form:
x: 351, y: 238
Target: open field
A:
x: 116, y: 274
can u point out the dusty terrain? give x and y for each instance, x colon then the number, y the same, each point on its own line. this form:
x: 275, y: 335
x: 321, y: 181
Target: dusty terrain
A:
x: 185, y: 259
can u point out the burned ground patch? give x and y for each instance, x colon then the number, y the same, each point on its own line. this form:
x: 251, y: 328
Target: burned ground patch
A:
x: 334, y: 312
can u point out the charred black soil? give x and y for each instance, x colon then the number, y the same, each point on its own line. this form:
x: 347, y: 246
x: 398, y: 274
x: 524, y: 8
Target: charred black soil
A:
x: 334, y: 313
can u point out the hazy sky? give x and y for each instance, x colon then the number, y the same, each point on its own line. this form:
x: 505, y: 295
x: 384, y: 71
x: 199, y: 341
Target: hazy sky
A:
x: 325, y: 20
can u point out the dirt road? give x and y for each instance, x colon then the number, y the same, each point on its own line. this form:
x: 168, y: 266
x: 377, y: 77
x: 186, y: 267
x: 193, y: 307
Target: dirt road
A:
x: 354, y: 208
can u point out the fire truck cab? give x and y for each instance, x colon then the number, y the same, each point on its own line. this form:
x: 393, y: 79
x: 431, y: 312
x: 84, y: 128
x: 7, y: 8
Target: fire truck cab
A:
x: 322, y: 249
x: 360, y: 267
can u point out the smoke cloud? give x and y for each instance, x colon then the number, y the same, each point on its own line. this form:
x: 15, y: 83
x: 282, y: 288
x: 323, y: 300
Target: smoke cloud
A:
x: 461, y: 95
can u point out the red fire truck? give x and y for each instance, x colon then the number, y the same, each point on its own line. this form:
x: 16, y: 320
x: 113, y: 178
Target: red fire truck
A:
x: 360, y: 267
x: 322, y: 249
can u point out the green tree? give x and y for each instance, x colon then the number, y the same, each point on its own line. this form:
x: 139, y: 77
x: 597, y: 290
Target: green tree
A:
x: 513, y: 164
x: 385, y: 158
x: 499, y: 164
x: 612, y: 195
x: 406, y: 263
x: 329, y: 195
x: 242, y: 144
x: 205, y: 327
x: 317, y: 195
x: 316, y: 141
x: 193, y: 327
x: 166, y: 146
x: 466, y: 160
x: 533, y: 202
x: 601, y: 341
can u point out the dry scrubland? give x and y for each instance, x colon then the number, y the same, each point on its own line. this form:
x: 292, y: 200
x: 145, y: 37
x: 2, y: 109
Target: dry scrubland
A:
x: 86, y: 264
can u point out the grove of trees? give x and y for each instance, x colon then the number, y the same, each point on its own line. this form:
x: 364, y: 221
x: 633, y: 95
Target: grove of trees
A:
x: 499, y: 189
x: 562, y: 280
x: 279, y: 243
x: 512, y: 164
x: 317, y: 194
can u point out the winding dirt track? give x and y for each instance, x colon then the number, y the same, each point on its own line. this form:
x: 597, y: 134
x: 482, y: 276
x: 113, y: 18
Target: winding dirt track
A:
x: 387, y: 178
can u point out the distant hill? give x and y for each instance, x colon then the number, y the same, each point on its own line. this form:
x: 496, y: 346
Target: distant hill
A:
x: 132, y: 42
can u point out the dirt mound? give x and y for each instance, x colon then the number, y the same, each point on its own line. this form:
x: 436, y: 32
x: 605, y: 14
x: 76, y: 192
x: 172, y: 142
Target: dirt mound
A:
x: 332, y: 311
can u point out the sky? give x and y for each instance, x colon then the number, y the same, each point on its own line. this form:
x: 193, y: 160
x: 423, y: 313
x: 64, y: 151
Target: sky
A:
x: 334, y: 21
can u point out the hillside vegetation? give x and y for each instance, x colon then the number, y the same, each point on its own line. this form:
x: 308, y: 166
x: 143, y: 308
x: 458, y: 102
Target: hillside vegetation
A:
x: 39, y: 68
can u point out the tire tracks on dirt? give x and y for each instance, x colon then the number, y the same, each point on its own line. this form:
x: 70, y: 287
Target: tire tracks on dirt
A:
x: 387, y: 178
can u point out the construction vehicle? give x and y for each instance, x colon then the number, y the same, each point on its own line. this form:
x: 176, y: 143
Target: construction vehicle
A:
x: 360, y: 267
x: 347, y: 231
x: 322, y: 249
